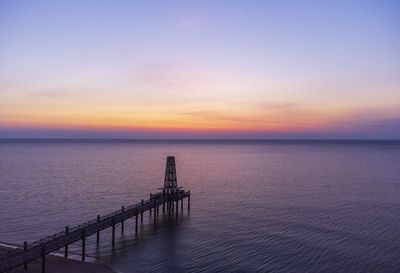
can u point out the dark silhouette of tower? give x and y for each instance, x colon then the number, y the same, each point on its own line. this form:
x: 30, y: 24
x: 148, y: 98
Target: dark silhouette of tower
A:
x: 170, y: 182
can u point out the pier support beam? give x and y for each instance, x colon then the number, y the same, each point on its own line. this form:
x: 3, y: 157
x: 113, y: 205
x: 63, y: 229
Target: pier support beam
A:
x: 66, y: 246
x: 136, y: 223
x: 150, y: 207
x: 177, y: 204
x: 25, y: 248
x: 122, y: 222
x: 83, y: 244
x: 43, y: 259
x: 98, y: 232
x: 189, y: 201
x: 182, y: 204
x: 113, y: 231
x: 155, y: 214
x: 141, y: 214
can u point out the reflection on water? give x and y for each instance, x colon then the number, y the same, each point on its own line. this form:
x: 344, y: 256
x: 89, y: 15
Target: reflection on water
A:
x: 275, y: 206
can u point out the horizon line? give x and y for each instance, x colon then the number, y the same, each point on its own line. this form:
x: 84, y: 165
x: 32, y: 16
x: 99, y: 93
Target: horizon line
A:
x: 198, y: 139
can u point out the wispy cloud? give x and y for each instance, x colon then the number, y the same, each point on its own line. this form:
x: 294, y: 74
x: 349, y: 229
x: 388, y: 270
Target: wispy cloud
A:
x: 278, y: 106
x: 51, y: 93
x: 218, y: 116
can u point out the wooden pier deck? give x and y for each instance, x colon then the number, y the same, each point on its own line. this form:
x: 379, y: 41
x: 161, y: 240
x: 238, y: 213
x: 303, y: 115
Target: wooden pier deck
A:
x: 168, y: 198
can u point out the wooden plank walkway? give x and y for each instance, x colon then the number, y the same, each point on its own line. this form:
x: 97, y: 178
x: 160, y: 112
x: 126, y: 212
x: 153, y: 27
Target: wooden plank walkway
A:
x: 39, y: 249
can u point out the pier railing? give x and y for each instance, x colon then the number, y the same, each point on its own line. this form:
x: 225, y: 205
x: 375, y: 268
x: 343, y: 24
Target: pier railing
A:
x: 52, y: 243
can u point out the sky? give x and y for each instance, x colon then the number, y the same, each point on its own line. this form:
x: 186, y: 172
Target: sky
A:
x: 200, y: 69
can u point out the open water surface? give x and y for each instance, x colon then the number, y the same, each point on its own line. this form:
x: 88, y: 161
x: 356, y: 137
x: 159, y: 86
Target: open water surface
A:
x: 256, y: 206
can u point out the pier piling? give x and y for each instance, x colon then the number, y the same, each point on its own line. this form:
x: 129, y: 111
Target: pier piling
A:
x: 66, y: 245
x: 155, y: 214
x: 113, y: 231
x: 141, y: 214
x: 189, y: 200
x: 122, y: 222
x: 98, y: 232
x: 83, y: 244
x: 136, y: 223
x: 43, y: 250
x: 25, y: 248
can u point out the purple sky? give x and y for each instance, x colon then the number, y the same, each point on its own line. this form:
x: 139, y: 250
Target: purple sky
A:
x: 200, y: 69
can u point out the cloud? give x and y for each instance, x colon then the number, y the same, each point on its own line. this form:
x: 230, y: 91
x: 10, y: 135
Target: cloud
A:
x: 278, y: 106
x: 64, y: 91
x: 218, y: 116
x: 378, y: 126
x: 159, y: 74
x: 171, y: 76
x: 50, y: 93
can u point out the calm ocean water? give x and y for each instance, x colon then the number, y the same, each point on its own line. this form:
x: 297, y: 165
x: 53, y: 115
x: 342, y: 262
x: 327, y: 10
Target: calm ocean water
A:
x: 278, y: 206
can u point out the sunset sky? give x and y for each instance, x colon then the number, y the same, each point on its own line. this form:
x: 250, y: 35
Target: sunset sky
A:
x: 200, y: 69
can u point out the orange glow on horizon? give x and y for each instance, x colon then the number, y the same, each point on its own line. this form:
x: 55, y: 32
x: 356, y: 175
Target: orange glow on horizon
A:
x: 184, y: 126
x: 214, y: 117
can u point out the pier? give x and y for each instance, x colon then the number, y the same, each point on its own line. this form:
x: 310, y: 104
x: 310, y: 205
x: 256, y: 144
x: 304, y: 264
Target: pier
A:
x: 168, y: 197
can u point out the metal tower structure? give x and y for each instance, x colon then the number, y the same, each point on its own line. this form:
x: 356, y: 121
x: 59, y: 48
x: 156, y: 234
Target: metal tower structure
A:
x: 170, y: 182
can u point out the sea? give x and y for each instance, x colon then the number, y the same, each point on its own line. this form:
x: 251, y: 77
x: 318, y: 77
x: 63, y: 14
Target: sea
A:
x: 256, y: 206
